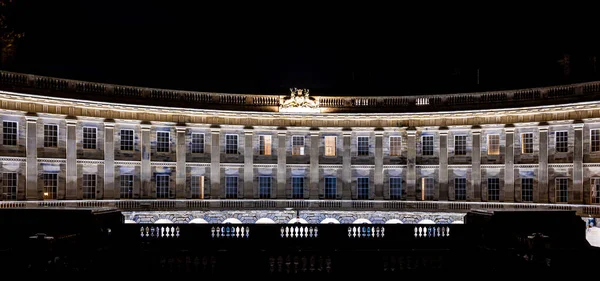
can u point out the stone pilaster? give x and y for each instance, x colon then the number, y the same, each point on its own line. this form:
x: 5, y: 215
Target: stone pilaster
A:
x: 474, y: 190
x: 71, y: 191
x: 281, y: 165
x: 248, y: 164
x: 442, y: 192
x: 31, y: 173
x: 508, y: 193
x: 346, y: 166
x: 146, y: 171
x: 378, y: 173
x: 110, y: 191
x: 313, y: 192
x: 541, y: 192
x: 411, y: 161
x: 577, y: 192
x: 181, y: 191
x: 215, y: 165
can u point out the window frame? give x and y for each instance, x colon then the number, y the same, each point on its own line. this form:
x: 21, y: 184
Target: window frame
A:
x: 334, y: 146
x: 237, y: 145
x: 523, y: 144
x: 432, y: 145
x: 398, y: 189
x: 4, y: 132
x: 200, y: 149
x: 121, y: 139
x: 161, y: 145
x: 358, y: 146
x: 566, y: 142
x: 166, y: 191
x: 262, y: 145
x: 83, y: 138
x: 557, y: 191
x: 45, y: 136
x: 300, y: 151
x: 399, y: 149
x: 489, y: 145
x: 463, y: 149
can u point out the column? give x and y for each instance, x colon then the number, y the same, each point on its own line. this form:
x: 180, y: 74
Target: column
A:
x: 411, y: 160
x: 509, y: 169
x: 474, y: 190
x: 347, y: 167
x: 146, y: 171
x: 313, y: 192
x: 281, y: 165
x: 31, y: 172
x: 71, y: 187
x: 378, y: 180
x: 181, y: 191
x: 442, y: 193
x: 110, y: 191
x: 215, y: 165
x: 248, y: 164
x: 541, y: 195
x: 577, y: 193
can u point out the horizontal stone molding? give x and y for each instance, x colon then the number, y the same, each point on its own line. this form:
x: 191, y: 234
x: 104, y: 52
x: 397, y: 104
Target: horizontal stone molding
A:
x: 526, y: 166
x: 255, y: 165
x: 591, y: 164
x: 90, y: 162
x: 460, y: 166
x: 191, y: 164
x: 52, y: 160
x: 12, y: 159
x: 298, y: 165
x: 362, y: 166
x: 394, y: 167
x: 128, y: 163
x: 492, y: 166
x: 232, y: 165
x: 561, y: 165
x: 162, y: 164
x: 427, y: 166
x: 330, y: 166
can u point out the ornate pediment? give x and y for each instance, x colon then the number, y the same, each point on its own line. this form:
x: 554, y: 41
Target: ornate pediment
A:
x: 298, y: 101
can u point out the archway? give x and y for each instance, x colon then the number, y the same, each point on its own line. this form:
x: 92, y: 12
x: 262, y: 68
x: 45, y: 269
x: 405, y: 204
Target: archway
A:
x: 198, y: 220
x: 297, y: 220
x: 232, y: 221
x: 393, y: 221
x: 163, y: 221
x: 362, y: 221
x: 426, y: 221
x: 265, y: 221
x: 330, y: 221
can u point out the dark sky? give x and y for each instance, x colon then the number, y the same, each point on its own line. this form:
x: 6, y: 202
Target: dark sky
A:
x: 331, y: 50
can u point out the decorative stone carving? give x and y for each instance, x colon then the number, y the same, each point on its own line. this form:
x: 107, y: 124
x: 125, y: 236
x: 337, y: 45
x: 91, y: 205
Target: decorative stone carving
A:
x: 299, y: 101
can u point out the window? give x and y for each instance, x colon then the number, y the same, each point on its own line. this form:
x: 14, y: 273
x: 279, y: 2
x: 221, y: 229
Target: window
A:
x: 363, y: 187
x: 493, y: 189
x: 562, y: 141
x: 297, y: 145
x: 50, y: 135
x: 562, y: 185
x: 162, y: 186
x: 595, y: 191
x: 89, y: 138
x: 395, y: 188
x: 264, y: 145
x: 264, y: 187
x: 427, y: 145
x: 197, y: 143
x: 460, y: 189
x: 162, y: 141
x: 527, y: 190
x: 595, y: 140
x: 231, y: 144
x: 197, y: 187
x: 89, y: 186
x: 9, y: 186
x: 126, y: 140
x: 126, y: 186
x: 50, y: 185
x: 493, y: 145
x: 395, y: 146
x: 330, y: 187
x: 460, y: 145
x: 527, y: 143
x: 330, y: 145
x: 231, y: 187
x: 363, y: 146
x: 427, y: 189
x: 297, y: 187
x: 9, y: 133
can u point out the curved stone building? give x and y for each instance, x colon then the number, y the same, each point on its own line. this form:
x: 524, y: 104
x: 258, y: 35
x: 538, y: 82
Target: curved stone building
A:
x: 193, y: 156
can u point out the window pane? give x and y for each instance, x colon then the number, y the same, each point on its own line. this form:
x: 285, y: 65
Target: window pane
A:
x: 297, y: 187
x: 126, y: 186
x: 460, y: 145
x: 527, y: 190
x: 527, y: 143
x: 50, y: 135
x: 297, y: 145
x: 127, y: 140
x: 363, y: 146
x: 493, y: 144
x: 330, y: 145
x: 363, y: 188
x: 89, y: 138
x: 395, y: 188
x: 264, y: 146
x: 162, y: 186
x: 460, y: 189
x: 231, y: 144
x: 9, y: 131
x: 395, y: 146
x: 562, y: 141
x: 427, y: 145
x: 493, y: 189
x: 162, y: 141
x: 330, y: 187
x: 197, y: 143
x: 231, y: 187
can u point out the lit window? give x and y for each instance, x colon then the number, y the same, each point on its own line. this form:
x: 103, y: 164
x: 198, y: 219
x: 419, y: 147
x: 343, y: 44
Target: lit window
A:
x: 460, y: 145
x: 460, y: 189
x: 561, y: 188
x: 9, y: 133
x: 89, y: 138
x: 363, y: 146
x: 50, y: 185
x: 231, y: 144
x: 264, y: 145
x: 395, y: 146
x: 126, y: 140
x: 427, y: 142
x: 562, y: 141
x: 162, y: 186
x: 493, y: 145
x: 297, y: 145
x: 427, y: 189
x: 527, y: 143
x: 50, y: 135
x: 162, y: 141
x: 89, y: 186
x: 197, y: 143
x: 330, y: 145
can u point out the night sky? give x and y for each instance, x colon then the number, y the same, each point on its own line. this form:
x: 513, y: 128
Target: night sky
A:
x: 330, y: 50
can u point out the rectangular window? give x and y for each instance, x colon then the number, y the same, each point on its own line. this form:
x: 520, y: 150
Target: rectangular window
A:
x: 50, y: 185
x: 197, y: 187
x: 231, y: 144
x: 197, y: 143
x: 89, y: 138
x: 562, y: 141
x: 297, y: 187
x: 362, y: 185
x: 126, y: 186
x: 460, y: 145
x: 9, y: 186
x: 595, y: 140
x: 527, y: 190
x: 395, y: 188
x: 460, y: 189
x: 595, y: 191
x: 527, y: 143
x: 89, y: 186
x: 330, y: 187
x: 162, y: 141
x: 297, y: 145
x: 427, y: 189
x: 427, y: 142
x: 330, y: 145
x: 162, y: 186
x: 231, y: 187
x: 264, y: 145
x: 395, y: 146
x: 493, y: 189
x: 264, y: 187
x: 9, y: 133
x: 493, y: 145
x: 50, y: 135
x: 562, y: 185
x: 363, y: 146
x: 126, y: 140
